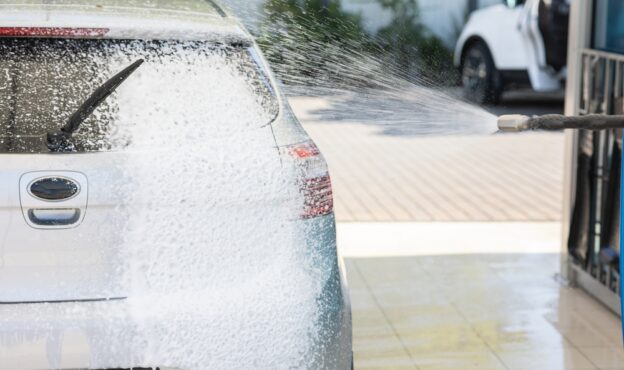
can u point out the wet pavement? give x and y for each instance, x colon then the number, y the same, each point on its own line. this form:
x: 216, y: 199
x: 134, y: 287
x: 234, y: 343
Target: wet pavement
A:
x: 480, y: 311
x: 470, y: 296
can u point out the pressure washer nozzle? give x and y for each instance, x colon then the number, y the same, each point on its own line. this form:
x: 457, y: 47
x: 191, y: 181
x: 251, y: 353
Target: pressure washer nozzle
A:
x: 514, y: 123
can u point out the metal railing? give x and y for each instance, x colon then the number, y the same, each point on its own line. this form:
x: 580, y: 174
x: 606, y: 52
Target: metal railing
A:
x: 601, y: 92
x: 602, y: 86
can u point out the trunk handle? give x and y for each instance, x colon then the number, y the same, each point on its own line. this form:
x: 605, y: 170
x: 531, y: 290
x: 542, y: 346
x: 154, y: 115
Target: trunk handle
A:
x: 54, y: 216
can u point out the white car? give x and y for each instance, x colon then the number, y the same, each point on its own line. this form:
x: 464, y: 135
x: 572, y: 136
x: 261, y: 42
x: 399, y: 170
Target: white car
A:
x: 515, y: 43
x: 160, y: 205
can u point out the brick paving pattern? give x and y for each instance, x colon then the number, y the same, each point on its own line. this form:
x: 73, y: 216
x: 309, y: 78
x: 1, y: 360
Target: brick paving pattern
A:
x: 380, y: 177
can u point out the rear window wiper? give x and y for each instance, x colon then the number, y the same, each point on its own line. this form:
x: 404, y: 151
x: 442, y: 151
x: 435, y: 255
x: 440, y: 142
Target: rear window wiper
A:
x: 60, y: 140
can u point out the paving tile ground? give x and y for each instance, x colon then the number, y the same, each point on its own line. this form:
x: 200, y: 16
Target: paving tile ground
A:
x: 391, y: 177
x: 486, y: 311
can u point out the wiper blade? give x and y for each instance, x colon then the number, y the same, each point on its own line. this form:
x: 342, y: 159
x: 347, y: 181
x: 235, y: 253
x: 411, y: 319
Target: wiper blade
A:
x: 59, y: 141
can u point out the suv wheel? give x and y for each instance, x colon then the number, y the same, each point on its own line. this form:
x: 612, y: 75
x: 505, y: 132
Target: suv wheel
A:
x: 481, y: 80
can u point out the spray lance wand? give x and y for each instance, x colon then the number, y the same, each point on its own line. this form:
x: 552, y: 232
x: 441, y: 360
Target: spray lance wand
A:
x: 553, y: 122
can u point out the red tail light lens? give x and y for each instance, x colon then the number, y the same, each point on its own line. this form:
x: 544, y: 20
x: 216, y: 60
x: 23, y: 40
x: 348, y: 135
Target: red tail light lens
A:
x: 315, y: 183
x: 52, y: 32
x: 305, y: 150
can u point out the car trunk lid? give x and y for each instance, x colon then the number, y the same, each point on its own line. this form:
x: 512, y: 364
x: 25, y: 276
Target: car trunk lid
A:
x: 183, y: 147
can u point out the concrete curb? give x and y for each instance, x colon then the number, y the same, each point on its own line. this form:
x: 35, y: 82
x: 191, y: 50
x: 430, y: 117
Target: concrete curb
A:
x: 394, y: 239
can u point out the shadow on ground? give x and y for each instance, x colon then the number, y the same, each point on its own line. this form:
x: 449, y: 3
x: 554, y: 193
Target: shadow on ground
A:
x: 528, y: 103
x: 422, y: 111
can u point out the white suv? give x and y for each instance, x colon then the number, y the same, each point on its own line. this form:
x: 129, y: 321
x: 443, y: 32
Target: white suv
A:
x: 516, y: 43
x: 160, y: 205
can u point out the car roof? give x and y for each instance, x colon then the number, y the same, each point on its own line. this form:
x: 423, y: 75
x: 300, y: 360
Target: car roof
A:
x: 154, y: 19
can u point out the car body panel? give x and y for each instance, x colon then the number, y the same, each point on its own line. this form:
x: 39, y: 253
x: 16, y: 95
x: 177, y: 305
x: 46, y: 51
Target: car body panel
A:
x: 498, y: 27
x: 513, y: 37
x: 122, y: 333
x: 541, y: 76
x: 122, y: 187
x: 87, y: 261
x: 277, y: 299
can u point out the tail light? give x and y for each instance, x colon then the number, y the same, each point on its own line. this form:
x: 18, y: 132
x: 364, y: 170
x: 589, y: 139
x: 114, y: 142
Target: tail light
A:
x: 314, y: 181
x: 52, y: 32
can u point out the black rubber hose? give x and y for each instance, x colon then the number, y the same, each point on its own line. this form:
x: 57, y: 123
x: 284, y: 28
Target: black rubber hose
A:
x: 588, y: 122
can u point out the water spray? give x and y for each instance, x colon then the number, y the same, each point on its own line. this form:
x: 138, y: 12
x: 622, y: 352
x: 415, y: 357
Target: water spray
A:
x: 553, y: 122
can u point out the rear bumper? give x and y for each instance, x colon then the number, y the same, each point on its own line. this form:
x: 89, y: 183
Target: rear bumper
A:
x: 334, y: 328
x: 230, y: 329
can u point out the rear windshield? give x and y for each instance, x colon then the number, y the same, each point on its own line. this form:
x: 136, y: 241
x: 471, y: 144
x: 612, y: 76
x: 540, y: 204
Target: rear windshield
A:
x: 201, y: 85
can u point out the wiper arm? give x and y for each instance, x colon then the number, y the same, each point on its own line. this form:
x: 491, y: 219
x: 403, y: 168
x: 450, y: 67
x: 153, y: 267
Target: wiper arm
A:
x: 59, y: 141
